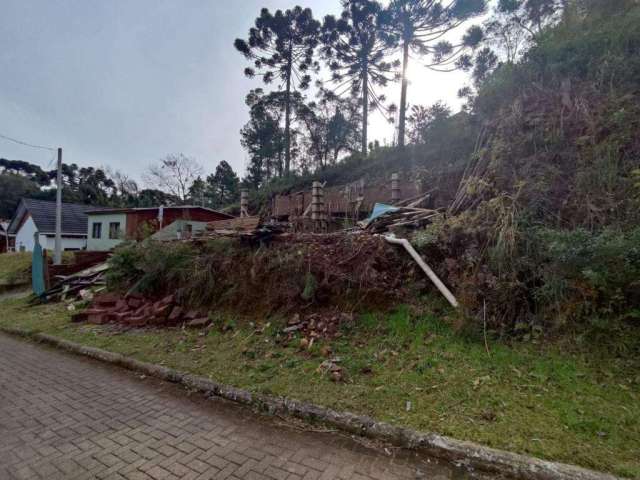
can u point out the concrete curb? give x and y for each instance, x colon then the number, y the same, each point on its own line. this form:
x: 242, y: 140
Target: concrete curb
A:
x: 467, y: 453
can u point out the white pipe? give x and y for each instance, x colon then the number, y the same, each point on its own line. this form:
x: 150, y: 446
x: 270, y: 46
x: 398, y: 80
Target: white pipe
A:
x: 430, y: 273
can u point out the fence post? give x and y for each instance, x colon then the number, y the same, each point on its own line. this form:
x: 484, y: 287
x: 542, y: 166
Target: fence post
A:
x: 317, y: 206
x: 395, y: 188
x: 244, y: 202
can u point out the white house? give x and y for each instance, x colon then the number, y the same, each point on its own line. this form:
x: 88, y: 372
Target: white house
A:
x: 38, y: 217
x: 110, y: 226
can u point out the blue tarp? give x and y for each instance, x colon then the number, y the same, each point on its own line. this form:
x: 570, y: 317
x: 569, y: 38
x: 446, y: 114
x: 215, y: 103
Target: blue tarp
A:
x: 381, y: 209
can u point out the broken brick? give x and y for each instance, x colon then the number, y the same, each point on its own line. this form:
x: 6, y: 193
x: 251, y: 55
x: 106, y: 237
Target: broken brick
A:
x: 106, y: 299
x: 169, y: 299
x: 199, y: 322
x: 121, y: 306
x: 97, y: 316
x: 134, y: 302
x: 175, y: 314
x: 119, y: 317
x: 137, y: 321
x: 160, y: 310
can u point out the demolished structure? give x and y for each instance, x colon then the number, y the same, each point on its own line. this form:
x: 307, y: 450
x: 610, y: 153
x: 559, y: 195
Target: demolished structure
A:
x: 326, y: 245
x: 331, y: 208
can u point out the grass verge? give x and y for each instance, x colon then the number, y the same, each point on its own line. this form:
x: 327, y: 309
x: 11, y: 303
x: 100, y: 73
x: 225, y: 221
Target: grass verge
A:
x: 569, y: 405
x: 15, y: 269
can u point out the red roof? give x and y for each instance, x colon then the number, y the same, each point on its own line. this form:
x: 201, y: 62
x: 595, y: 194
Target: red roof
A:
x: 107, y: 211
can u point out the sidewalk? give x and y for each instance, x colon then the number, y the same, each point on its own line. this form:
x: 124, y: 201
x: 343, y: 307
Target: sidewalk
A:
x: 65, y: 417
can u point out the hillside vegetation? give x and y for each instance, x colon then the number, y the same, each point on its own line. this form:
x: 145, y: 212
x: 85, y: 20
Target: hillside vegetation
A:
x: 541, y: 232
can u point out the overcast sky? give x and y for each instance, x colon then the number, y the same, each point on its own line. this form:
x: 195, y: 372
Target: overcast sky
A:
x: 120, y: 83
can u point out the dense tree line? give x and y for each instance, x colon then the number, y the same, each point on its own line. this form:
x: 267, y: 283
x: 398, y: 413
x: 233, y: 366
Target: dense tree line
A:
x: 349, y: 58
x: 326, y: 78
x: 174, y: 180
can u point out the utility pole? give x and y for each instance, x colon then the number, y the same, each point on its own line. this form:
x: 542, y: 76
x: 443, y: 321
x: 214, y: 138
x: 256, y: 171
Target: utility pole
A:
x: 57, y: 257
x: 244, y: 202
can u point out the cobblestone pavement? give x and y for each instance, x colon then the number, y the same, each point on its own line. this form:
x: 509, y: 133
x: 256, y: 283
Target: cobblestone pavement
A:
x: 67, y: 417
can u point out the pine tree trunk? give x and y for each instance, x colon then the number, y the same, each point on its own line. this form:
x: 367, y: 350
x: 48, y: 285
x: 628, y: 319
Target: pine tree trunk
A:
x: 403, y: 94
x: 287, y: 116
x: 365, y: 107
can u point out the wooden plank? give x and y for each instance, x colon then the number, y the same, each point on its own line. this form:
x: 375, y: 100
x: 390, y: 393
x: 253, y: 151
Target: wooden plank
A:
x: 244, y: 224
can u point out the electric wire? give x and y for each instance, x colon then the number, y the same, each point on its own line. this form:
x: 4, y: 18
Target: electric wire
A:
x: 20, y: 142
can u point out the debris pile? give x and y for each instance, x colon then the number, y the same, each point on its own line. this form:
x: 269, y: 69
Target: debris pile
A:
x: 234, y: 225
x: 297, y: 273
x: 77, y: 284
x: 137, y: 311
x: 406, y: 214
x: 400, y: 217
x: 249, y: 229
x: 219, y: 269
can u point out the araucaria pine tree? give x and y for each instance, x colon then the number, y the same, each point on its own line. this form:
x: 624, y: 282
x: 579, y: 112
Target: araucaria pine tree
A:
x: 281, y: 46
x: 420, y: 27
x: 356, y: 48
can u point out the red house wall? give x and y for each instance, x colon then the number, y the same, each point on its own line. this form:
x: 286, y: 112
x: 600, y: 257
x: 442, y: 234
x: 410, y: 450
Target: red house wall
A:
x: 138, y: 222
x: 3, y: 242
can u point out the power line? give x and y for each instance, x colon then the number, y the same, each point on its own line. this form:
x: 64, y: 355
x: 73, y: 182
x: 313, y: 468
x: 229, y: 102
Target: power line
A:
x: 20, y: 142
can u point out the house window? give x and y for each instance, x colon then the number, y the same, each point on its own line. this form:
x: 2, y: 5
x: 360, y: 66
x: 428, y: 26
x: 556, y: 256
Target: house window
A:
x: 96, y: 230
x: 114, y: 230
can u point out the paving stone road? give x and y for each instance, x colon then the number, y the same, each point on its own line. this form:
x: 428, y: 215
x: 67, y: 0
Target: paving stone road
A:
x: 68, y: 417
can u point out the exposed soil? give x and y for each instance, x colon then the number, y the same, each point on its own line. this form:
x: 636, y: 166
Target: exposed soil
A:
x: 323, y: 279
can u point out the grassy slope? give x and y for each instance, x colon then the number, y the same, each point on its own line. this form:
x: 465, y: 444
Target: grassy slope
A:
x: 577, y: 408
x: 15, y: 268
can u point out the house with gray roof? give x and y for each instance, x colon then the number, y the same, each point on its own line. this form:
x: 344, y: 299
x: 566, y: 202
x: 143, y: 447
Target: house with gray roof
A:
x: 6, y: 240
x: 38, y: 218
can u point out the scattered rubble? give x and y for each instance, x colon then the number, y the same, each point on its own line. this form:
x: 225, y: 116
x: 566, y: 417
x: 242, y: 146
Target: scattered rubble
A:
x: 390, y: 218
x: 299, y: 273
x: 317, y: 325
x: 77, y: 285
x: 332, y: 368
x: 134, y: 310
x: 137, y: 311
x: 240, y: 224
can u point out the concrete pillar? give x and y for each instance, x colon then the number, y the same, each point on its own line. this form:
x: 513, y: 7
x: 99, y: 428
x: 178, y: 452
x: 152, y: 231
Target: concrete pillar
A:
x: 317, y: 205
x: 395, y: 188
x: 244, y: 202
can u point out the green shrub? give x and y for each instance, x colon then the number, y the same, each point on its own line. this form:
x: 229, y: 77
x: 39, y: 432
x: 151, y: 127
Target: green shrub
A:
x: 123, y: 266
x: 589, y: 274
x: 151, y: 267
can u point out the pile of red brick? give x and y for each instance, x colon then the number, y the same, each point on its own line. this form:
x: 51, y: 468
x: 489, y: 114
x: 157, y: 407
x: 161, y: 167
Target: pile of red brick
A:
x: 138, y: 311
